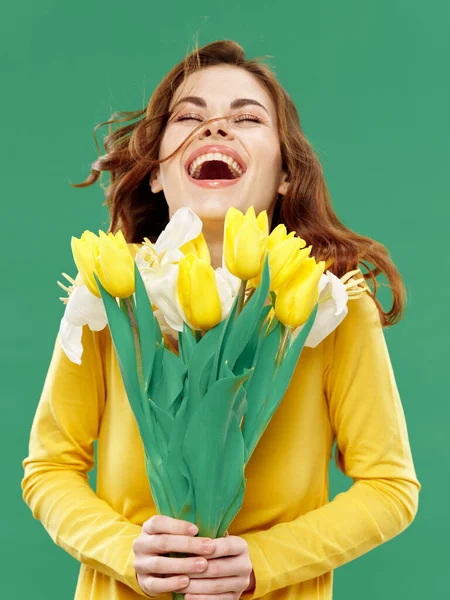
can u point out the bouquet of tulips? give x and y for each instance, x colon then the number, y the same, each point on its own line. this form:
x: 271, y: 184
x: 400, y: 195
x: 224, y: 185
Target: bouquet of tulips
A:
x: 203, y: 405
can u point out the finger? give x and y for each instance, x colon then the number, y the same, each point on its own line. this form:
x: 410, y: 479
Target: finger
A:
x: 160, y: 565
x: 221, y: 567
x: 153, y: 586
x: 165, y: 524
x: 231, y: 545
x: 221, y: 585
x: 165, y: 542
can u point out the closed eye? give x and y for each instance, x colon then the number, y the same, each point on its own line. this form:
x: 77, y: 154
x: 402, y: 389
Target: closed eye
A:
x: 192, y: 116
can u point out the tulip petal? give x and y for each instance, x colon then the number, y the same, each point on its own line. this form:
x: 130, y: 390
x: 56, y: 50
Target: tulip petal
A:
x: 161, y: 287
x: 115, y: 268
x: 83, y: 308
x: 331, y: 312
x: 70, y: 338
x: 183, y: 227
x: 228, y: 287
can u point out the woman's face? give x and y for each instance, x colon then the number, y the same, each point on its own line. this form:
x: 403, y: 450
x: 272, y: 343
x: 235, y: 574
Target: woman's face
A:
x: 252, y: 134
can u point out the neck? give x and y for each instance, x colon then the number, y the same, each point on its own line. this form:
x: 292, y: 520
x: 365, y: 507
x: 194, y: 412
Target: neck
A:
x: 213, y: 232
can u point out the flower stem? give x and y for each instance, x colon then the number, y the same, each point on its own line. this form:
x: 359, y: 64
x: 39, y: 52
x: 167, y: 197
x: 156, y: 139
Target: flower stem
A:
x: 282, y: 349
x: 178, y: 595
x: 241, y: 297
x: 137, y: 342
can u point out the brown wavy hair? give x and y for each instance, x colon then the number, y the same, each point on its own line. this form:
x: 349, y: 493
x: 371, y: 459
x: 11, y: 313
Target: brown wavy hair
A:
x: 132, y: 151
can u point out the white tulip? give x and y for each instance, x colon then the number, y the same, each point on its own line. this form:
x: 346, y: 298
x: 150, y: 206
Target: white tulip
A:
x: 228, y: 287
x: 332, y: 309
x: 82, y: 308
x: 158, y: 264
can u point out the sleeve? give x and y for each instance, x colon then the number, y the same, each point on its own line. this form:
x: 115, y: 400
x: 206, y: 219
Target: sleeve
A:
x: 369, y: 424
x: 61, y: 453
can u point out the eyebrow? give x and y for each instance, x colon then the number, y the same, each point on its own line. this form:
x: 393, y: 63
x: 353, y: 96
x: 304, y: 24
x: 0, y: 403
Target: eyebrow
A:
x: 238, y: 103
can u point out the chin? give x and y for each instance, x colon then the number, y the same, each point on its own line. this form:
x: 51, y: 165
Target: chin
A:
x: 212, y: 208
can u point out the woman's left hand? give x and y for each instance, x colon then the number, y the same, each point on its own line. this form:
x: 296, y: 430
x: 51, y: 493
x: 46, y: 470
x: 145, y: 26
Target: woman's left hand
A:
x: 228, y: 573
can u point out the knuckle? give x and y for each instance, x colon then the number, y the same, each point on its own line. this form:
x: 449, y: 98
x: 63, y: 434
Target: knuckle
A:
x: 149, y: 587
x: 153, y: 564
x: 153, y: 522
x: 195, y: 546
x: 163, y: 542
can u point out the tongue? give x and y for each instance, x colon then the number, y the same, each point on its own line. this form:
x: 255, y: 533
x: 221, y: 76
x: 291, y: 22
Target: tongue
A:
x: 215, y: 169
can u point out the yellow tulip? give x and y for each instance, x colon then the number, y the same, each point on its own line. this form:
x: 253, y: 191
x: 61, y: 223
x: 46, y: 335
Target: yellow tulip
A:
x: 285, y: 260
x: 296, y: 298
x: 197, y: 293
x: 286, y: 253
x: 109, y: 257
x: 197, y: 247
x: 245, y: 242
x: 115, y: 265
x: 83, y: 255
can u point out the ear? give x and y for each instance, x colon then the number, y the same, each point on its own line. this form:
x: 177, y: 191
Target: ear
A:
x: 284, y: 184
x: 155, y: 183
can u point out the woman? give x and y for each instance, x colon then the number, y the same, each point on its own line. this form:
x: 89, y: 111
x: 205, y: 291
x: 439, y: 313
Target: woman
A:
x: 287, y: 538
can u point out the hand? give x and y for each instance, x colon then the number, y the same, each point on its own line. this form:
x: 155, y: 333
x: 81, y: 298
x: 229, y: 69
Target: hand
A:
x: 224, y: 578
x: 160, y: 535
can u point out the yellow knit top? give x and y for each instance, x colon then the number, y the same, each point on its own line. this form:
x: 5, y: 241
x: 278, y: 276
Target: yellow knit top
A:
x: 342, y: 389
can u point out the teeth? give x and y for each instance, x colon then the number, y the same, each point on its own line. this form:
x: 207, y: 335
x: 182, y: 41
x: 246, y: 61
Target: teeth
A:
x: 194, y: 169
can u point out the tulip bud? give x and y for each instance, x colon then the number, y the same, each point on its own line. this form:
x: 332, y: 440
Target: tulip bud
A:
x: 197, y: 293
x: 286, y: 254
x: 115, y: 265
x: 84, y: 250
x: 245, y: 242
x: 197, y: 247
x: 296, y: 298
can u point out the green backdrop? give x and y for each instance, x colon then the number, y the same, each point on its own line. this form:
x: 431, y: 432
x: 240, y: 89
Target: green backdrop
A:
x: 371, y: 84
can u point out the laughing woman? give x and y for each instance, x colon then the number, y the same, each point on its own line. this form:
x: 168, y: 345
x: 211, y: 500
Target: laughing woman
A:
x: 220, y: 131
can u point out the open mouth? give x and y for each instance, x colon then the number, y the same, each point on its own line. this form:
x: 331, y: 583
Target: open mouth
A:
x: 214, y: 170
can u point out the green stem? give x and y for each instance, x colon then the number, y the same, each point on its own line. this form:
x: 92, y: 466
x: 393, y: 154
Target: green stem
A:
x: 241, y: 297
x: 282, y: 349
x: 137, y: 342
x: 178, y: 595
x: 247, y: 300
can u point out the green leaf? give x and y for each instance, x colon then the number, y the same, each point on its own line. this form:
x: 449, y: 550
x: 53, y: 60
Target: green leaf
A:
x: 258, y: 387
x: 175, y: 461
x: 247, y: 357
x: 214, y: 452
x: 246, y: 322
x: 201, y: 365
x: 186, y: 344
x: 146, y: 325
x: 233, y: 509
x: 122, y: 337
x: 171, y: 382
x: 280, y: 383
x: 157, y: 370
x: 226, y: 328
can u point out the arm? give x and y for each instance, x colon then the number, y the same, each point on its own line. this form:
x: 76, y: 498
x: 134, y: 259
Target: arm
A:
x: 369, y: 423
x: 61, y: 452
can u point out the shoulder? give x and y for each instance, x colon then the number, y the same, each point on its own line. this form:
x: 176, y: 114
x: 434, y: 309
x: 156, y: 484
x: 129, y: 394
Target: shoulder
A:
x: 360, y: 326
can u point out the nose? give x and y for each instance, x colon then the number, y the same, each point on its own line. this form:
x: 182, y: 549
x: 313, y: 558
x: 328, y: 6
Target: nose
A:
x: 216, y: 128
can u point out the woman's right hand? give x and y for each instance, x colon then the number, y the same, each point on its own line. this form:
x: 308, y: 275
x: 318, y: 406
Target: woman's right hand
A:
x: 158, y: 574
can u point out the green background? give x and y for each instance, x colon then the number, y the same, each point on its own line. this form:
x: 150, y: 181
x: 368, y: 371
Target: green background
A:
x: 370, y: 81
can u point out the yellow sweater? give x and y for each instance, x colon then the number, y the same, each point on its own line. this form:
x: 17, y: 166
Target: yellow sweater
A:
x: 343, y: 388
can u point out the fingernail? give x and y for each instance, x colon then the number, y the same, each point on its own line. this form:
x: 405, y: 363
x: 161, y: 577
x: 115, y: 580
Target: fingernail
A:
x: 208, y: 546
x: 200, y: 562
x: 193, y: 529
